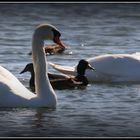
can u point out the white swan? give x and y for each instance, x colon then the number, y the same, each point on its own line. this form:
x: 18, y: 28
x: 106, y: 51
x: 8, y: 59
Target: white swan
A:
x: 109, y: 68
x: 13, y: 93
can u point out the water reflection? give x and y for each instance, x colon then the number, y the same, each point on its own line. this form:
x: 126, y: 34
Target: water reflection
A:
x: 41, y: 117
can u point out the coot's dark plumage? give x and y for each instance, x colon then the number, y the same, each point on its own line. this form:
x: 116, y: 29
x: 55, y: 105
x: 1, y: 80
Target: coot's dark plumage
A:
x: 63, y: 82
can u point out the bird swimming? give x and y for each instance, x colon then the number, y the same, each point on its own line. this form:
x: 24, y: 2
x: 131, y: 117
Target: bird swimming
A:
x: 62, y: 81
x: 110, y: 68
x: 53, y: 49
x: 13, y: 93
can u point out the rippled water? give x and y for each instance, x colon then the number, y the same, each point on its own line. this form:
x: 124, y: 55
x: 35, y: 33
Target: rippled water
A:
x: 100, y: 110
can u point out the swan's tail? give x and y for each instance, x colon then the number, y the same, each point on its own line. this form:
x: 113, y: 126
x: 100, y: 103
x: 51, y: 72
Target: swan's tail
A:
x: 64, y: 69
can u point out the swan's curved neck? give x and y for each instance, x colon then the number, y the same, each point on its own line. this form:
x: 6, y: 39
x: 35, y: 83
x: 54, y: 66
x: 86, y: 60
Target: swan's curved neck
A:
x: 42, y: 83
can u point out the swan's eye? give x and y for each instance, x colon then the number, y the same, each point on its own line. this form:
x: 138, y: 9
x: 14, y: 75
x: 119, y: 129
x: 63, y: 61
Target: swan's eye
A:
x: 56, y: 33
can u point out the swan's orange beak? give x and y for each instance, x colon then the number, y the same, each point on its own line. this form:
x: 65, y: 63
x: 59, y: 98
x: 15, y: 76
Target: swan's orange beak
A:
x: 58, y: 41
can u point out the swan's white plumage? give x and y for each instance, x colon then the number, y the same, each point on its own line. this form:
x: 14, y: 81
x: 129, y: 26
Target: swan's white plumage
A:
x: 12, y: 91
x: 109, y: 68
x: 9, y: 84
x: 64, y: 69
x: 9, y: 80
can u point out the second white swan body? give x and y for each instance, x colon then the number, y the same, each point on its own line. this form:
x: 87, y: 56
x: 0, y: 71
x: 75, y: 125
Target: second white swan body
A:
x: 12, y: 91
x: 109, y: 68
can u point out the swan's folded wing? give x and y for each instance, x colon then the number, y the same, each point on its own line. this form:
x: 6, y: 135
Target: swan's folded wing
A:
x: 57, y: 76
x: 64, y: 69
x: 10, y: 84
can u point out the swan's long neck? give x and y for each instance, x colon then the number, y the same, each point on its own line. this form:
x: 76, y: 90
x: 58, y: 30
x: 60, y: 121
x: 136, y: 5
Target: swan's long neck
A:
x: 42, y: 83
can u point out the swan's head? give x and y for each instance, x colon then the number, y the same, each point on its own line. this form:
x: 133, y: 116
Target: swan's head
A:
x: 49, y: 32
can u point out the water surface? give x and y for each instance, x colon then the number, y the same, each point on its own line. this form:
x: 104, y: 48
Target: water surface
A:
x: 100, y: 110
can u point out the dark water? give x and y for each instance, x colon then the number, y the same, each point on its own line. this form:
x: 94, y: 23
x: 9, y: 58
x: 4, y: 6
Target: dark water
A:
x: 100, y: 110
